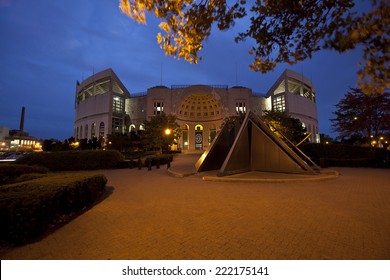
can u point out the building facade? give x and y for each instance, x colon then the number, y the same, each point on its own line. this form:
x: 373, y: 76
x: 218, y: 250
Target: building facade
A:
x: 104, y: 106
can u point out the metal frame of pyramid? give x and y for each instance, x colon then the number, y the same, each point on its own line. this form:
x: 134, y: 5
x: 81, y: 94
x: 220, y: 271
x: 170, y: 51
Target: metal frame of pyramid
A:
x: 254, y: 147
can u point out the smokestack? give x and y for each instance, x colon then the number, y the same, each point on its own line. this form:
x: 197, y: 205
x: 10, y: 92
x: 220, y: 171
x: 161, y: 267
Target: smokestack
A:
x: 21, y: 128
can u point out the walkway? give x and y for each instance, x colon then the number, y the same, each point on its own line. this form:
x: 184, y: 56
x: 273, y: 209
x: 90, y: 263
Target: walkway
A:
x: 150, y: 215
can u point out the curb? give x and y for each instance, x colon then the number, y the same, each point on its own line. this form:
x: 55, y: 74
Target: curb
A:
x: 178, y: 174
x: 331, y: 174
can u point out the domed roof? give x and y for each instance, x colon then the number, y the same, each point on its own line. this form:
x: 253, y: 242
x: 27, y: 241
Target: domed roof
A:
x: 199, y: 106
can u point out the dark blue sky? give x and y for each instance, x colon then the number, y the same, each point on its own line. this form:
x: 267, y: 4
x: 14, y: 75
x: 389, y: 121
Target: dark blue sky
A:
x: 47, y: 45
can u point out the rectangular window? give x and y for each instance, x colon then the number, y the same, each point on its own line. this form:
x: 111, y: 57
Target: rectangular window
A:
x: 117, y: 126
x: 279, y: 103
x: 158, y: 107
x: 240, y: 107
x: 117, y: 104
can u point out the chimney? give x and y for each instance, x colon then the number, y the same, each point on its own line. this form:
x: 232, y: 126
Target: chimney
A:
x: 21, y: 128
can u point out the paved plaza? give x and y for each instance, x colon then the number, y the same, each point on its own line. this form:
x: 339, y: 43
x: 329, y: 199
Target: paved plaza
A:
x: 152, y: 215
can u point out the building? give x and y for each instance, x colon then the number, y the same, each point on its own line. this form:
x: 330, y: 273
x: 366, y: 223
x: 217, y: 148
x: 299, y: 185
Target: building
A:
x: 104, y: 106
x: 18, y: 139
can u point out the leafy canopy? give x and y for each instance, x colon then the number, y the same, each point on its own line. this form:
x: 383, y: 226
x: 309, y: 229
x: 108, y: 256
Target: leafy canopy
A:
x: 283, y: 125
x: 359, y: 115
x: 155, y: 136
x: 283, y: 30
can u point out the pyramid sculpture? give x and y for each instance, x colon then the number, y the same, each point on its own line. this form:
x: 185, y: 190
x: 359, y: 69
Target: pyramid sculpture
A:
x: 252, y: 147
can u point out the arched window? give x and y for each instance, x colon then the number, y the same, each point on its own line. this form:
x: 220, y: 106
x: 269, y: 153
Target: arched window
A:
x: 132, y: 127
x: 93, y: 130
x: 185, y: 136
x: 86, y: 131
x: 199, y: 127
x: 81, y: 132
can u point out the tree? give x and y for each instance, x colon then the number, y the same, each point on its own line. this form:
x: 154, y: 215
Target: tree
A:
x: 359, y: 115
x: 325, y: 138
x: 160, y: 132
x: 281, y: 123
x: 291, y: 29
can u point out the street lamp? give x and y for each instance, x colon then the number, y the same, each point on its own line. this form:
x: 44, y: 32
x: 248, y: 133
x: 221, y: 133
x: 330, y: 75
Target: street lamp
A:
x: 168, y: 131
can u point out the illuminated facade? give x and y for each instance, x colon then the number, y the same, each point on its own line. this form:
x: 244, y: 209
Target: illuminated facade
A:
x: 104, y: 106
x: 17, y: 140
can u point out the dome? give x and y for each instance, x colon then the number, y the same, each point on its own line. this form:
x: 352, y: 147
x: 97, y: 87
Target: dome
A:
x: 199, y: 106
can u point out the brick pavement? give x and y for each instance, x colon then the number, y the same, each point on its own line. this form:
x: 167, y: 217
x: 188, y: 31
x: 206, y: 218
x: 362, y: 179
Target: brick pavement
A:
x: 150, y: 215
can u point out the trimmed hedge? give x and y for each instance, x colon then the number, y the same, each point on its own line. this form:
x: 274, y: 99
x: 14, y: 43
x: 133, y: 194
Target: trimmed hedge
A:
x: 10, y: 173
x: 347, y: 155
x: 29, y: 209
x: 74, y: 160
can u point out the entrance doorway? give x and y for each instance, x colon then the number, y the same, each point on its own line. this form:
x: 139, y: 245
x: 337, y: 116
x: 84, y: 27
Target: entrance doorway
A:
x: 198, y: 137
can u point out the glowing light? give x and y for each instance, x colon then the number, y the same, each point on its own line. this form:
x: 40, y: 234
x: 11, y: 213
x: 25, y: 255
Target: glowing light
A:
x: 168, y: 131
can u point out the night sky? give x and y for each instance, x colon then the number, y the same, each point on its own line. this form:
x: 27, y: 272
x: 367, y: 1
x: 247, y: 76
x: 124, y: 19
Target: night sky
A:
x: 47, y: 45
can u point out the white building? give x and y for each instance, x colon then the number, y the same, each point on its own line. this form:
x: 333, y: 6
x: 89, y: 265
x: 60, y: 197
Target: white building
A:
x: 104, y: 106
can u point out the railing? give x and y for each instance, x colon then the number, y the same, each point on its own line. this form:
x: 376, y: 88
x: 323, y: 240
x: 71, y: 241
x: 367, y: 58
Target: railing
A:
x: 258, y: 94
x: 137, y: 94
x: 225, y: 87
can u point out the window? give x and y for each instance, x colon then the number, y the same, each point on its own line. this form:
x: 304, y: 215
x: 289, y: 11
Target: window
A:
x: 117, y: 126
x: 117, y: 104
x: 279, y: 103
x: 101, y: 130
x: 158, y: 107
x: 240, y: 107
x: 93, y: 130
x: 86, y: 131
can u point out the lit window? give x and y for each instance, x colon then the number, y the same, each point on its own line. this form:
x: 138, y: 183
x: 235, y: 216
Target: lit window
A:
x: 158, y: 107
x: 117, y: 104
x: 93, y: 130
x: 279, y: 103
x: 240, y: 107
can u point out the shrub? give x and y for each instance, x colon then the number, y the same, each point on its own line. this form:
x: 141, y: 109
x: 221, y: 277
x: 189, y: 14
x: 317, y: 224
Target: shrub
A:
x: 28, y: 209
x: 9, y: 173
x: 347, y: 155
x: 160, y: 159
x: 74, y: 160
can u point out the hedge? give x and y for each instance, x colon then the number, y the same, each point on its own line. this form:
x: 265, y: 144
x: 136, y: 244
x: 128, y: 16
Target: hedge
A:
x: 347, y: 155
x: 29, y: 209
x: 74, y: 160
x: 10, y: 173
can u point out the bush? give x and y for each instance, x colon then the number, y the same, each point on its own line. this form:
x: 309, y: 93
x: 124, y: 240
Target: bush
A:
x: 28, y: 209
x: 74, y: 160
x: 160, y: 159
x: 17, y: 172
x: 347, y: 155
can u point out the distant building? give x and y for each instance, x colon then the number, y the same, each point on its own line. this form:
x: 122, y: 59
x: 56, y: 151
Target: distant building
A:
x: 104, y: 106
x: 17, y: 140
